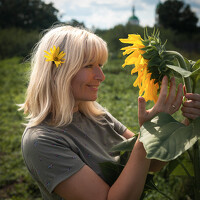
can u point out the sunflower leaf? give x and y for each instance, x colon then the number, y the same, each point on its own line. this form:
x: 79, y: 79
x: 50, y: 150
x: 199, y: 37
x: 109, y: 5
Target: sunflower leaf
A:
x: 196, y: 71
x: 180, y: 70
x: 126, y: 145
x: 196, y: 65
x: 150, y: 53
x: 165, y: 139
x: 111, y: 171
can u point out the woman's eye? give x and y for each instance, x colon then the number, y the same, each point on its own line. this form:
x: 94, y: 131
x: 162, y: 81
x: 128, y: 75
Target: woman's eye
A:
x: 88, y: 66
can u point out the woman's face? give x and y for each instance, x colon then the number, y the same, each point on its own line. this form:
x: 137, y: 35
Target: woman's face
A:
x: 86, y: 82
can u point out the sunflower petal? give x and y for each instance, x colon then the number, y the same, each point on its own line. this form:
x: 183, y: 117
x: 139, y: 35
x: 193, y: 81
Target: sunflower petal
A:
x: 55, y: 55
x: 135, y: 52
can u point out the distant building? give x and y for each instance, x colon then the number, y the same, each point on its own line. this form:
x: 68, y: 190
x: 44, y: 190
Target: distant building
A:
x: 133, y: 20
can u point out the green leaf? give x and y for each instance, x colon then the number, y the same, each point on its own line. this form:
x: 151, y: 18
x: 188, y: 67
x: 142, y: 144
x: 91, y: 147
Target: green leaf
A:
x: 196, y: 71
x: 182, y: 166
x: 180, y: 70
x: 180, y: 171
x: 111, y: 171
x: 196, y: 65
x: 149, y: 184
x: 150, y: 53
x: 165, y: 139
x: 154, y: 61
x: 126, y: 145
x: 189, y: 64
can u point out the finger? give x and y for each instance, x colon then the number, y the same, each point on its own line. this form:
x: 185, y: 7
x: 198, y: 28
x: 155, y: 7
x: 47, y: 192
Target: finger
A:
x: 192, y: 104
x: 163, y: 91
x: 174, y: 105
x: 179, y: 97
x: 193, y: 96
x: 190, y: 116
x: 192, y: 111
x: 186, y: 121
x: 172, y: 91
x: 141, y: 110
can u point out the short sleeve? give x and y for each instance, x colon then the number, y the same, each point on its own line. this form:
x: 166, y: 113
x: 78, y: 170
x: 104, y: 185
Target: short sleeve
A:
x: 117, y: 125
x: 49, y: 157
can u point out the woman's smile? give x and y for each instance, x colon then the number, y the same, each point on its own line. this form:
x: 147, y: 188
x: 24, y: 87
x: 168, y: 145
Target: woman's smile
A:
x: 86, y: 83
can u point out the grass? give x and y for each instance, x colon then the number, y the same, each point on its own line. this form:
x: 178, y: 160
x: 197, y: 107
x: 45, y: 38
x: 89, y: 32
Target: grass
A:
x: 15, y: 181
x: 116, y: 94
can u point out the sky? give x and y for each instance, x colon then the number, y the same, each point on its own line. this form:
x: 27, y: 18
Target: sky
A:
x: 105, y: 14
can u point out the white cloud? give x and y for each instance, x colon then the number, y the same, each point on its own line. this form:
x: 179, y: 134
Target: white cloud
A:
x: 98, y: 13
x: 145, y: 11
x: 108, y: 13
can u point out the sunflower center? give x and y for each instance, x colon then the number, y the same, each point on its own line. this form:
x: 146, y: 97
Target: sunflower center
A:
x: 56, y: 59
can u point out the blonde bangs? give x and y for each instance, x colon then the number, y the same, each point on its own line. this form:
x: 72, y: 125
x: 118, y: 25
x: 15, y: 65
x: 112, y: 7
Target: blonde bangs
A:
x: 95, y: 52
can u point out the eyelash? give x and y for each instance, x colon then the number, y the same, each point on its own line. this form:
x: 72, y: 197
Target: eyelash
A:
x: 90, y: 66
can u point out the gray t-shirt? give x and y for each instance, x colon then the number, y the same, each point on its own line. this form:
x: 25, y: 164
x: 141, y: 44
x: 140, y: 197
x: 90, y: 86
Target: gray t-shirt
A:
x: 54, y: 154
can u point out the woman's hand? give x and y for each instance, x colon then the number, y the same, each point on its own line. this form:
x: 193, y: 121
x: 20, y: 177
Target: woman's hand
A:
x: 167, y: 102
x: 191, y: 107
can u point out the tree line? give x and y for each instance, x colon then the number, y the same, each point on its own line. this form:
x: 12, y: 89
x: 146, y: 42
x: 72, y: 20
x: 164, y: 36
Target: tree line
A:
x: 21, y: 21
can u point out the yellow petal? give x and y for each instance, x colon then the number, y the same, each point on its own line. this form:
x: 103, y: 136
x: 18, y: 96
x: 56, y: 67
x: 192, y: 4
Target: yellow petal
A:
x: 47, y: 53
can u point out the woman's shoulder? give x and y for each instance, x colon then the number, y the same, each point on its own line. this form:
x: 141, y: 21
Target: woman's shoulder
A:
x: 43, y: 135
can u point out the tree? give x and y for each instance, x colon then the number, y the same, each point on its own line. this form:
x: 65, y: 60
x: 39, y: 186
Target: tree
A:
x: 74, y: 22
x: 177, y: 15
x: 27, y: 14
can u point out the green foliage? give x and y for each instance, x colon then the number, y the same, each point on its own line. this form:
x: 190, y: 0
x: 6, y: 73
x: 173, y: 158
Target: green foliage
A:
x: 75, y: 23
x: 188, y: 46
x: 29, y: 14
x: 165, y: 139
x: 125, y: 145
x: 16, y: 42
x: 116, y: 93
x: 14, y: 178
x: 177, y: 15
x: 112, y: 36
x: 154, y: 52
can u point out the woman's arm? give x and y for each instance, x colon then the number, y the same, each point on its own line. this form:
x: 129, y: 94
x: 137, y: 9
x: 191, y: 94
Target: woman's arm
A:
x: 87, y: 185
x: 155, y: 165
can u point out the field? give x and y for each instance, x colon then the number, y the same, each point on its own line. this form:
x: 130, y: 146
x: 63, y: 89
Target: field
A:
x: 116, y: 94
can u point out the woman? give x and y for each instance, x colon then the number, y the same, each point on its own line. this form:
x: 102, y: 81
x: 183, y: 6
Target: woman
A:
x: 68, y: 134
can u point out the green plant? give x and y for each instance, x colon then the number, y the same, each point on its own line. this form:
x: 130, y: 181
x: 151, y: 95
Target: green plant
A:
x: 163, y: 137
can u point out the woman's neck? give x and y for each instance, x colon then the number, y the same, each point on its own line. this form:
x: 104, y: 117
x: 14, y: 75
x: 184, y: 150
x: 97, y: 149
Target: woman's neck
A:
x: 76, y: 107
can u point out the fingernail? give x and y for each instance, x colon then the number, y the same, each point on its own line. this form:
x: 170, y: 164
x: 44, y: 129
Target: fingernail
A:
x: 140, y: 98
x: 165, y: 77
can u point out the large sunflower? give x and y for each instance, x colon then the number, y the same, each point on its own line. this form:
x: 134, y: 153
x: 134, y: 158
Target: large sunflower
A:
x: 135, y: 57
x: 149, y: 58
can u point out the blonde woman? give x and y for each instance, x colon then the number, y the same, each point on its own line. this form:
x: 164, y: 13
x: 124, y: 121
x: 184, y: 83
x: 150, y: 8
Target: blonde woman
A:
x: 68, y: 134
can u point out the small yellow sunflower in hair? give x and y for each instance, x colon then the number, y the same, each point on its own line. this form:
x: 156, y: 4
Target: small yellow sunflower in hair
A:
x: 55, y: 56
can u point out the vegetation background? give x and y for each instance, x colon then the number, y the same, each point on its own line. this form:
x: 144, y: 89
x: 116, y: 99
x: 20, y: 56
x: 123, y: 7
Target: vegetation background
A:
x: 18, y: 36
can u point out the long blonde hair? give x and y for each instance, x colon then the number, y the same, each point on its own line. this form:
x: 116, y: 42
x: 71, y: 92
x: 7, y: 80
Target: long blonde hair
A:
x: 49, y: 90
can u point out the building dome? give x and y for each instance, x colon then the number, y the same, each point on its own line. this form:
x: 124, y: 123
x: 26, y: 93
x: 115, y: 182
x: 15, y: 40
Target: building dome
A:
x: 133, y: 19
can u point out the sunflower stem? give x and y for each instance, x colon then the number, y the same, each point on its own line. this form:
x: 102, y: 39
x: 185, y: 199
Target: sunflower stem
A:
x: 196, y: 148
x: 183, y: 65
x: 185, y: 169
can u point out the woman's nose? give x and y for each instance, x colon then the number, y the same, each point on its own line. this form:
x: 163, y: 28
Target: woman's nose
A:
x: 99, y: 75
